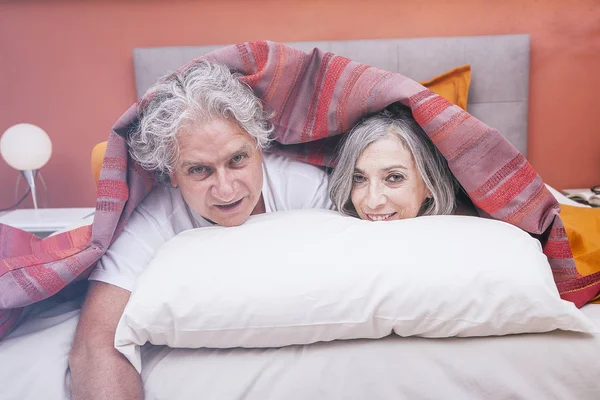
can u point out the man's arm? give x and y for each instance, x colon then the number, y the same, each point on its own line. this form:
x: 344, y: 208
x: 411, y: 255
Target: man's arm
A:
x: 98, y: 370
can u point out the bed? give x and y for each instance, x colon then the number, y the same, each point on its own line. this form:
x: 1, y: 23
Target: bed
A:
x: 508, y: 367
x: 514, y: 366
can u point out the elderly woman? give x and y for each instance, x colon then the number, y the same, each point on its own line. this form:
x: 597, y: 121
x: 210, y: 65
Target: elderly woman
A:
x: 388, y: 169
x: 203, y: 132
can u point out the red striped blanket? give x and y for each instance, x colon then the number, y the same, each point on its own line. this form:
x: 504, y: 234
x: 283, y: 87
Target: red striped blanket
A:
x: 316, y: 96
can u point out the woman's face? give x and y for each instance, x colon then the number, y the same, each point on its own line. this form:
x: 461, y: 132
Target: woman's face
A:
x: 386, y: 184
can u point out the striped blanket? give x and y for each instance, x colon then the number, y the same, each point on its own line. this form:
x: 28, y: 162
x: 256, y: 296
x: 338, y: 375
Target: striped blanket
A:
x: 315, y: 96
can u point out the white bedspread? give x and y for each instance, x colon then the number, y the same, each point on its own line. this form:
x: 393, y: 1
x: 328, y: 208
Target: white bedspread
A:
x: 556, y: 365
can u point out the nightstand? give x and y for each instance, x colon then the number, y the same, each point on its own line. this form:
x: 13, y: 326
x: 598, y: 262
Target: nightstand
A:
x: 46, y: 221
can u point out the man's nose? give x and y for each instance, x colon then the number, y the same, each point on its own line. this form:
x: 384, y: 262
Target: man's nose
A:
x: 224, y: 189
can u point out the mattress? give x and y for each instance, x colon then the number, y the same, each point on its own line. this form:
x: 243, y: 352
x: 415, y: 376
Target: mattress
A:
x: 555, y: 365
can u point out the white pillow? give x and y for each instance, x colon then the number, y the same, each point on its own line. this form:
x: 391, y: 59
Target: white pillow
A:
x: 305, y: 276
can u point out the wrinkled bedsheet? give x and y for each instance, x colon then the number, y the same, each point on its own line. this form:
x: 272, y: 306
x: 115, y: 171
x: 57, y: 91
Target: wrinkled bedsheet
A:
x: 34, y: 365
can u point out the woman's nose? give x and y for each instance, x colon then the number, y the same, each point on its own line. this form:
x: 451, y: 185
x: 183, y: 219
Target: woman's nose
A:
x: 375, y: 196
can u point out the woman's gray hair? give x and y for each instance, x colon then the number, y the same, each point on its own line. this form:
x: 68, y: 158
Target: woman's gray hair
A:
x: 200, y: 92
x: 431, y: 164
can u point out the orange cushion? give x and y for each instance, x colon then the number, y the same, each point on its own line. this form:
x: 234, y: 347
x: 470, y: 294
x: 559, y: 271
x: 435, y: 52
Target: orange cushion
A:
x: 97, y: 157
x: 452, y: 85
x: 582, y: 225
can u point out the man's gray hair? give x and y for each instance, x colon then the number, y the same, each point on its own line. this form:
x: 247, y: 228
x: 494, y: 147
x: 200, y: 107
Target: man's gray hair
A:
x: 430, y: 163
x: 201, y: 92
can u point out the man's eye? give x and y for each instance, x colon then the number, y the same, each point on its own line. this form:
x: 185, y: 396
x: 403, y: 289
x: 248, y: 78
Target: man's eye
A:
x: 239, y: 158
x: 198, y: 170
x: 394, y: 178
x: 357, y: 178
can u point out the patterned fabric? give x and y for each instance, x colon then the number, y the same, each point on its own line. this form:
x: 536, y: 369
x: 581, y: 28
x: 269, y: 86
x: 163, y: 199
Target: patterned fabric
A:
x: 316, y: 96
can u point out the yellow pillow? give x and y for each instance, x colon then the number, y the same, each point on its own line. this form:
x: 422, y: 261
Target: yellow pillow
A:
x: 582, y: 225
x: 452, y: 85
x: 97, y: 157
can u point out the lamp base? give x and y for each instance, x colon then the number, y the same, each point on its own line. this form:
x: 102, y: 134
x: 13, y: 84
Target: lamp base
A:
x: 30, y: 177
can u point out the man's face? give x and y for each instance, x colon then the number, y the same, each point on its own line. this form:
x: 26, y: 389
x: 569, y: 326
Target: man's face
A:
x: 219, y: 172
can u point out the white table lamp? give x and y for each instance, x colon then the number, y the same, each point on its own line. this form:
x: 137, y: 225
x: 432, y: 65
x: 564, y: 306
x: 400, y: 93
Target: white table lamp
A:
x: 26, y: 148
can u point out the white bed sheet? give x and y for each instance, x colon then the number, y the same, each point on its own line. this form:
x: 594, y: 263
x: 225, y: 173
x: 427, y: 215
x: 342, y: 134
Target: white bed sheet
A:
x: 556, y: 365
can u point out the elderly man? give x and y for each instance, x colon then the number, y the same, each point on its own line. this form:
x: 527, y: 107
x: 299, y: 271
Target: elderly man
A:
x: 203, y: 132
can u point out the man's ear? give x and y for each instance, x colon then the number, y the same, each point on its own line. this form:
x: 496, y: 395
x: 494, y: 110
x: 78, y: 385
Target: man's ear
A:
x: 173, y: 180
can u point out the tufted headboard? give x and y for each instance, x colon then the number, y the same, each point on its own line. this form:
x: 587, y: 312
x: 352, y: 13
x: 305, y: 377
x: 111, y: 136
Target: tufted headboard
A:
x: 499, y: 79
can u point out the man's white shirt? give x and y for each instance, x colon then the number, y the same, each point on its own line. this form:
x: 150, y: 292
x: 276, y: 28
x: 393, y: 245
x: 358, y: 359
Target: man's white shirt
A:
x: 287, y: 185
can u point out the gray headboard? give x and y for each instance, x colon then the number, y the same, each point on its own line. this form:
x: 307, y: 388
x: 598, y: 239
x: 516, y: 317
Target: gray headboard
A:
x: 499, y: 69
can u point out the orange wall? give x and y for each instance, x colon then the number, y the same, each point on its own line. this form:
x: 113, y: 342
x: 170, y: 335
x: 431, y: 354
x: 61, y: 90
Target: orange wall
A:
x: 67, y: 65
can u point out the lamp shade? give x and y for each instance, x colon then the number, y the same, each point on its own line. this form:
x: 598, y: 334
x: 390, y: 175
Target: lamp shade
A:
x: 25, y: 147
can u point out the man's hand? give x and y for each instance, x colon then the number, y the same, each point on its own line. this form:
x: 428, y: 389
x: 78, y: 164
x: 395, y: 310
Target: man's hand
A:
x: 98, y: 370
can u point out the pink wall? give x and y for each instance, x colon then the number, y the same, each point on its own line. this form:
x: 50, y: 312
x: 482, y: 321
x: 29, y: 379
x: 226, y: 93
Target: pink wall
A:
x: 67, y: 65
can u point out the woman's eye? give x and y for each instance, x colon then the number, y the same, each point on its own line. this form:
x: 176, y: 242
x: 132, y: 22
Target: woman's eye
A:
x: 394, y: 178
x: 238, y: 159
x: 358, y: 178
